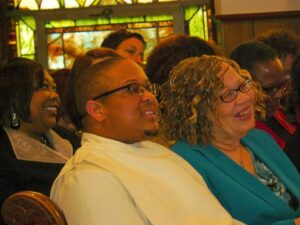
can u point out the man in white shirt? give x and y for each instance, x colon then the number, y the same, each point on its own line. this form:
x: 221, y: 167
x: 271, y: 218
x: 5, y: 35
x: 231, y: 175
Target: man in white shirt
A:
x: 117, y: 177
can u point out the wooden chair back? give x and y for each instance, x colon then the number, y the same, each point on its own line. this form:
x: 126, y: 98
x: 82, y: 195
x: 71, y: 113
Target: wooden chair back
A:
x: 31, y: 208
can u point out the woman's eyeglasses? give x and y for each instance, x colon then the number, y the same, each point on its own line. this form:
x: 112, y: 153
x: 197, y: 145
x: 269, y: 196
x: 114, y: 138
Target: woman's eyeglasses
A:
x: 230, y: 95
x: 134, y: 89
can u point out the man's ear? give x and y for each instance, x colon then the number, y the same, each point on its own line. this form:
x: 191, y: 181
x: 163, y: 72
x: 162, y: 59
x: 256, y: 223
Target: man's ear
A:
x: 95, y: 110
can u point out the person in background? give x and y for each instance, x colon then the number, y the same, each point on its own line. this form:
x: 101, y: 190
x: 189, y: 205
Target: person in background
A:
x: 128, y: 44
x: 31, y: 153
x: 287, y: 46
x: 293, y: 108
x: 265, y: 67
x: 293, y: 112
x: 285, y: 43
x: 60, y: 78
x: 117, y: 177
x: 209, y: 108
x: 62, y: 127
x: 169, y: 52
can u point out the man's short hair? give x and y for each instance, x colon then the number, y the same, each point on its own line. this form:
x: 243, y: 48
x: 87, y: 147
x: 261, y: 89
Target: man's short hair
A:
x: 93, y: 82
x: 248, y: 54
x: 114, y: 39
x: 81, y: 63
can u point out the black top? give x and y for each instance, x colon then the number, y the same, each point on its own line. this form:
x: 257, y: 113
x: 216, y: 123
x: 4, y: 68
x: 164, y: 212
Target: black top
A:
x: 20, y: 175
x: 73, y: 138
x: 292, y: 147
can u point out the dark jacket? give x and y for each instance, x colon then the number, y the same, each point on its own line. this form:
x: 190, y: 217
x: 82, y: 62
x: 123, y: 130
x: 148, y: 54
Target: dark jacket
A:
x: 19, y: 175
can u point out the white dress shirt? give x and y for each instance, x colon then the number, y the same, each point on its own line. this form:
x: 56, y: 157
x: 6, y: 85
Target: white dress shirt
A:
x: 112, y: 183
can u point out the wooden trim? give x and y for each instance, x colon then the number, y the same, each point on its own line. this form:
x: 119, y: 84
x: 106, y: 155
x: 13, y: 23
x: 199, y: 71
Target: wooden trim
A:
x: 258, y: 15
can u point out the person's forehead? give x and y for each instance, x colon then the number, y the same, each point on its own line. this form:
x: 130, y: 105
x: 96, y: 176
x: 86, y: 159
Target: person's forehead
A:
x: 226, y: 70
x: 133, y: 42
x: 230, y: 74
x: 270, y: 68
x: 269, y: 72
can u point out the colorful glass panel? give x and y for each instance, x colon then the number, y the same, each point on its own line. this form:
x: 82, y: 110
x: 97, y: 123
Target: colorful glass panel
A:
x: 117, y: 20
x: 53, y: 4
x: 70, y: 3
x: 68, y: 38
x: 55, y: 51
x: 196, y: 18
x: 56, y: 4
x: 25, y: 36
x: 64, y: 47
x: 159, y: 18
x: 27, y: 4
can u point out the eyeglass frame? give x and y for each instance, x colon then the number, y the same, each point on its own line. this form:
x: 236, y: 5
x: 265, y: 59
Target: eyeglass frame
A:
x: 152, y: 88
x: 282, y: 86
x: 244, y: 83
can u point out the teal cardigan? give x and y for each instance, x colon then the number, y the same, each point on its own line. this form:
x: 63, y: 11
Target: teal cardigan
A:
x: 241, y: 193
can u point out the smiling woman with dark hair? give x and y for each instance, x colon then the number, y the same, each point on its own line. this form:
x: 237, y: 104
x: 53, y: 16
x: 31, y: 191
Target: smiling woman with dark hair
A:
x: 31, y: 153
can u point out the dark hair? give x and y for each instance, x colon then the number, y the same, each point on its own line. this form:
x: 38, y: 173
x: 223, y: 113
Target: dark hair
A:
x: 114, y: 39
x: 93, y: 82
x: 293, y: 99
x: 249, y: 53
x: 282, y: 41
x: 81, y: 63
x: 296, y: 74
x: 60, y: 78
x: 19, y: 78
x: 170, y: 52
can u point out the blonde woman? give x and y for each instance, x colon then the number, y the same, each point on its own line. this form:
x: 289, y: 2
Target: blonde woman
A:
x: 208, y: 109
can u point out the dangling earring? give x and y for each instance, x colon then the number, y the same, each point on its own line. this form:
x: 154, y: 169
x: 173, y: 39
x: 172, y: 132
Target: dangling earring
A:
x: 14, y: 121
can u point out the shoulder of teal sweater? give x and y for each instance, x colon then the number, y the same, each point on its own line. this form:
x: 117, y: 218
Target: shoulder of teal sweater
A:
x: 183, y: 145
x: 180, y: 145
x: 261, y: 139
x: 260, y: 134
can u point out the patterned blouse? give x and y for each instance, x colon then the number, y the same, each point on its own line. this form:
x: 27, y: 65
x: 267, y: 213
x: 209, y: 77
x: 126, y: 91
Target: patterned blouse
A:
x: 268, y: 178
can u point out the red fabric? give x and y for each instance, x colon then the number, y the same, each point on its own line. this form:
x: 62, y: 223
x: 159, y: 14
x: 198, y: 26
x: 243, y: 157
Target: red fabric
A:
x: 261, y: 125
x: 281, y: 118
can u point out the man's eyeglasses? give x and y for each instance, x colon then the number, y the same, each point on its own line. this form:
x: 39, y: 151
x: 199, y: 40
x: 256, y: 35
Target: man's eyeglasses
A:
x: 230, y: 95
x: 281, y: 87
x: 134, y: 89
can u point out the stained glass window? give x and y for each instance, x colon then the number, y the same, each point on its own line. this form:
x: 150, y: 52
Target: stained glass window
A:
x: 25, y: 34
x: 196, y: 17
x: 57, y: 4
x: 66, y: 38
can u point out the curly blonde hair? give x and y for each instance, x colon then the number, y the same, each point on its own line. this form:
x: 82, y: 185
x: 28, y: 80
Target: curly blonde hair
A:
x: 191, y: 93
